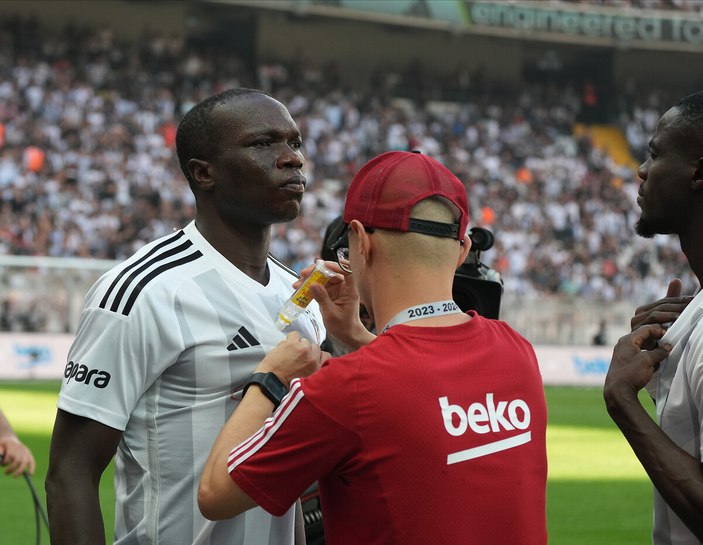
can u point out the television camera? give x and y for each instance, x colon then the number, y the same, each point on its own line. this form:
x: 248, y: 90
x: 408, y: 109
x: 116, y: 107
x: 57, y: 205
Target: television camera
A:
x: 476, y: 286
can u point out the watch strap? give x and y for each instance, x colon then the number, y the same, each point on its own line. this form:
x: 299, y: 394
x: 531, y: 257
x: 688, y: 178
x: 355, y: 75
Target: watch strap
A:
x: 270, y: 385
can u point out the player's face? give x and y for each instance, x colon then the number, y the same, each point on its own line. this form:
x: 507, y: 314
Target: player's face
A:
x: 258, y: 171
x: 667, y: 176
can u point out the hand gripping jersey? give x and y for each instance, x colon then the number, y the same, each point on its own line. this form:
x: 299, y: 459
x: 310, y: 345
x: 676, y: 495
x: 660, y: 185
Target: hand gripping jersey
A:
x: 425, y: 436
x: 165, y: 343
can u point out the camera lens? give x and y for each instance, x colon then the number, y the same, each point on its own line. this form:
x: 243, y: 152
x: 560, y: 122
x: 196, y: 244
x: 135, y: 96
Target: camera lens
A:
x: 481, y: 239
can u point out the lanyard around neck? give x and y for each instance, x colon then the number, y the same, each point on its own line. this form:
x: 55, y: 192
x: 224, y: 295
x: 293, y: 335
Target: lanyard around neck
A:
x: 427, y: 310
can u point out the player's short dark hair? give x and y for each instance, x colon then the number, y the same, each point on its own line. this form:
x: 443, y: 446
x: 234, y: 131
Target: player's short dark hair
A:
x: 197, y: 137
x: 690, y: 110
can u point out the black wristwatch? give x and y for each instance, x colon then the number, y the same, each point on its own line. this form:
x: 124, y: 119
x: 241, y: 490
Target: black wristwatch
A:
x: 270, y: 385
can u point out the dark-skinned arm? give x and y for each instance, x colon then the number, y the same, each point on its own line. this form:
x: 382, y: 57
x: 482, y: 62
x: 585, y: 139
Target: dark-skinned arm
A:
x: 677, y: 475
x: 80, y: 451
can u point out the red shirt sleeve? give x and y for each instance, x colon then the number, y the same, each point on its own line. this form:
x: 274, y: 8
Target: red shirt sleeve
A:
x: 298, y: 445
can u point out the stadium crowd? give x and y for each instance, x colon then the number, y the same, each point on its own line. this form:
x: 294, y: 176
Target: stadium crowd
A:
x: 88, y: 165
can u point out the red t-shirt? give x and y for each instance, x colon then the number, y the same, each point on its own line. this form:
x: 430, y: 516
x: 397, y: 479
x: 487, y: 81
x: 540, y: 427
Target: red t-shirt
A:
x: 426, y: 435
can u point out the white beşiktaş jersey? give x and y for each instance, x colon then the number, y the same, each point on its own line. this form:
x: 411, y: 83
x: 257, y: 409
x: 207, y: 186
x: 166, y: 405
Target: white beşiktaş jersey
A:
x: 165, y: 343
x: 677, y: 389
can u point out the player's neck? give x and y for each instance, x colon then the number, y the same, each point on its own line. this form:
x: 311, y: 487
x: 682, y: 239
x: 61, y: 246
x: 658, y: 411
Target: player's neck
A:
x: 245, y: 248
x: 691, y: 247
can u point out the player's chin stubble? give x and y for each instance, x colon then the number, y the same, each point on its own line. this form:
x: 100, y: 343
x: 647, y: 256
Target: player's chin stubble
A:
x: 644, y: 229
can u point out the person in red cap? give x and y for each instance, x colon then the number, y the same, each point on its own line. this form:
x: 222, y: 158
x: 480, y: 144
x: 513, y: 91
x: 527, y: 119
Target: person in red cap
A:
x: 431, y: 432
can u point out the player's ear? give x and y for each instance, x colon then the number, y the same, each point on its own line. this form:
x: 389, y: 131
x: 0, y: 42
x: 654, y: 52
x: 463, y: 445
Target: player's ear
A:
x: 698, y: 174
x: 362, y: 239
x: 201, y: 173
x: 465, y: 247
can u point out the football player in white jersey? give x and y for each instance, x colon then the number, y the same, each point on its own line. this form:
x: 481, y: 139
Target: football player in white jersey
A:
x: 665, y: 357
x: 168, y: 340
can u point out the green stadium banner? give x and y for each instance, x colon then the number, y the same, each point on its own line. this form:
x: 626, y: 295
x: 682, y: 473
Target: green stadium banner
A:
x: 575, y: 23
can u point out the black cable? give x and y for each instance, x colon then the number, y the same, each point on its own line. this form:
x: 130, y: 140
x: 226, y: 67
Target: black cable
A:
x: 37, y: 526
x: 39, y: 513
x: 37, y: 501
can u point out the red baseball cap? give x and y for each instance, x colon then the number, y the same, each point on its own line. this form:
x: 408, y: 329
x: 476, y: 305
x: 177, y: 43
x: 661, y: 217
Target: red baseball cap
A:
x: 386, y: 188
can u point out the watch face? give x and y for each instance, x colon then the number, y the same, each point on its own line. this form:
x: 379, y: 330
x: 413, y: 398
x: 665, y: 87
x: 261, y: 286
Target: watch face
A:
x: 270, y: 385
x: 274, y: 385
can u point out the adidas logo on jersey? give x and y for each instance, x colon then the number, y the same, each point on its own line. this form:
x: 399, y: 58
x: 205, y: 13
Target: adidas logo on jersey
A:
x: 243, y: 339
x: 485, y: 418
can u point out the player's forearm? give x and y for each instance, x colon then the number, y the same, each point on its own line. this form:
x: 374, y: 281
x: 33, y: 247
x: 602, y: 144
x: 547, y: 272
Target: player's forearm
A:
x: 677, y: 475
x: 74, y: 512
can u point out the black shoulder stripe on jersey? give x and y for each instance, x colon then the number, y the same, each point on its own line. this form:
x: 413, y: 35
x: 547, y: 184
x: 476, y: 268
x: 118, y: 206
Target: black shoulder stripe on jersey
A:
x: 151, y: 252
x: 287, y: 269
x: 155, y: 261
x: 156, y: 272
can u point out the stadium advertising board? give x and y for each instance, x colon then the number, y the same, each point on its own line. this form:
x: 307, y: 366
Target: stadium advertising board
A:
x: 624, y: 27
x: 573, y: 365
x: 536, y: 20
x: 33, y: 356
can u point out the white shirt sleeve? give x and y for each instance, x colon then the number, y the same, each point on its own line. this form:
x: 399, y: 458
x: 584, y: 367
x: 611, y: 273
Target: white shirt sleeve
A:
x: 114, y: 359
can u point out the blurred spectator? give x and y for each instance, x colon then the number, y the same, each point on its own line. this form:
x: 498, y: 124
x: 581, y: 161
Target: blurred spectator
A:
x: 601, y: 337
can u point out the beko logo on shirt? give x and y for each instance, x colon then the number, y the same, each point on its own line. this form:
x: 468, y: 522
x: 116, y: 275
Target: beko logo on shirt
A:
x: 484, y: 418
x: 81, y: 373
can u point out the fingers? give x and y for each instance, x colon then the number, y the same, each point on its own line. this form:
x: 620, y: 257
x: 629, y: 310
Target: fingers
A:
x: 633, y: 365
x: 666, y: 313
x: 331, y: 265
x: 663, y: 311
x: 300, y: 342
x: 645, y: 334
x: 667, y: 303
x: 654, y: 357
x: 324, y: 356
x: 304, y: 273
x: 14, y: 468
x: 295, y: 356
x: 293, y: 336
x: 320, y: 295
x: 644, y: 341
x: 308, y: 348
x: 673, y: 295
x: 18, y: 459
x: 675, y: 288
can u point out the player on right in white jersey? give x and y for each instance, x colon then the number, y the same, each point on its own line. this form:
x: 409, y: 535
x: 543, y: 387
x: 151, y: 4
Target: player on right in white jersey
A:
x: 168, y: 339
x: 667, y: 358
